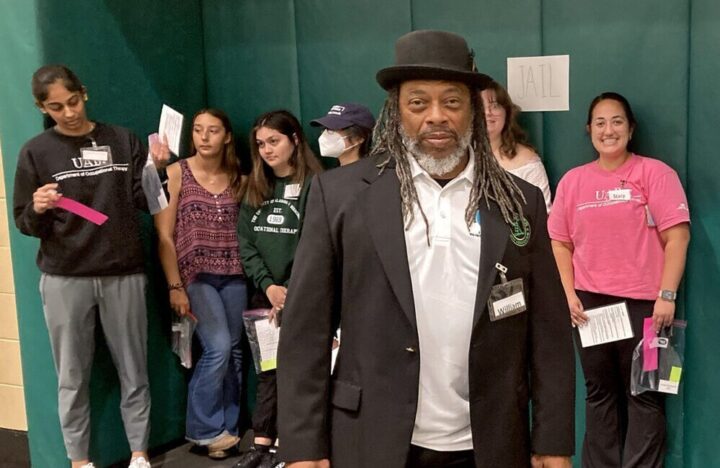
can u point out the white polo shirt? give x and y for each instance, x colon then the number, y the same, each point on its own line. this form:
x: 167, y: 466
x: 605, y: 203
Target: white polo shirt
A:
x: 444, y: 281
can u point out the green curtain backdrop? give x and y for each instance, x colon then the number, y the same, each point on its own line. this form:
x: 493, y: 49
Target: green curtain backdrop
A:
x: 252, y: 56
x: 700, y: 419
x: 133, y: 56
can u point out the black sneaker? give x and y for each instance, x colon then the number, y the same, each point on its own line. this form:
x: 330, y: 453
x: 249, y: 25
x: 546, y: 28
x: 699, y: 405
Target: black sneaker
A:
x: 269, y: 460
x: 251, y: 459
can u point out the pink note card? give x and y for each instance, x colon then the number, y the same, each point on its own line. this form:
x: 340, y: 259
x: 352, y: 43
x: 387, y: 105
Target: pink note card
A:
x: 81, y: 210
x: 650, y: 355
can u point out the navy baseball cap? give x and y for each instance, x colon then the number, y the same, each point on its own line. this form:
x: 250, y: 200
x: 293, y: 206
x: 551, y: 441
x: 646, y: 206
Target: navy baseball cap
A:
x: 344, y: 115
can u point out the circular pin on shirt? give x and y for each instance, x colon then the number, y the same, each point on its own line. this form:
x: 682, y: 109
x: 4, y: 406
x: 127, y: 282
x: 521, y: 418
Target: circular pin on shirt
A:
x: 520, y: 232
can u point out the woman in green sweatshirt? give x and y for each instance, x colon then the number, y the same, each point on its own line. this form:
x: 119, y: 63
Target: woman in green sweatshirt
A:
x: 268, y: 229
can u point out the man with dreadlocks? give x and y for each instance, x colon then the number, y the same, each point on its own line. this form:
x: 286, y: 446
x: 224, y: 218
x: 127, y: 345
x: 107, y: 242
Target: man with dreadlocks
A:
x: 439, y: 266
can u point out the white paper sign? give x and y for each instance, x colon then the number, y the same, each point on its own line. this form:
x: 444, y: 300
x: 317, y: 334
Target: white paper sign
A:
x: 606, y: 324
x: 171, y: 127
x: 539, y: 83
x: 268, y: 336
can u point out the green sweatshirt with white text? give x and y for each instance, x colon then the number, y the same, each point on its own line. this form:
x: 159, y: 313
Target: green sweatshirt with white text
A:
x: 269, y: 234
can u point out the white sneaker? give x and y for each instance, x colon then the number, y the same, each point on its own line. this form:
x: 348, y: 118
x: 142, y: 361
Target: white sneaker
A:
x: 139, y: 462
x: 88, y: 465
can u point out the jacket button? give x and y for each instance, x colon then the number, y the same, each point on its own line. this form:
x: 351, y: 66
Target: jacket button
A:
x: 410, y: 349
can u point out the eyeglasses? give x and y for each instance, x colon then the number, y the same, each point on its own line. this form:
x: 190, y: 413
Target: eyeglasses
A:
x: 493, y: 107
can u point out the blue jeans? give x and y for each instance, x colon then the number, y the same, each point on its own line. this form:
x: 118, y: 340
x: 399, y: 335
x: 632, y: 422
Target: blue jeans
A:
x: 213, y: 405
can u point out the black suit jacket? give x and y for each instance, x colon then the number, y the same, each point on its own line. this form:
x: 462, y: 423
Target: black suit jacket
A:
x: 351, y: 266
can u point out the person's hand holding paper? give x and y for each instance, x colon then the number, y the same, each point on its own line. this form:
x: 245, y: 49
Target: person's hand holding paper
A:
x: 160, y: 151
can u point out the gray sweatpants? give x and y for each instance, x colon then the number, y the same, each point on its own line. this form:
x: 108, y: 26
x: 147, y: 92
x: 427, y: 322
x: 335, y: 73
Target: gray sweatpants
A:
x: 70, y: 305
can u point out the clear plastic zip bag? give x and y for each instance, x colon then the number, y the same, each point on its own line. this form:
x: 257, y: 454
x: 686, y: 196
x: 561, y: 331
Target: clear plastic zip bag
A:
x: 658, y: 359
x: 182, y: 334
x: 151, y: 184
x: 263, y: 337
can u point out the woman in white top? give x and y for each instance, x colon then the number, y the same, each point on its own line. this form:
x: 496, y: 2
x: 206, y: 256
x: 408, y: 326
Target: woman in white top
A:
x: 509, y: 141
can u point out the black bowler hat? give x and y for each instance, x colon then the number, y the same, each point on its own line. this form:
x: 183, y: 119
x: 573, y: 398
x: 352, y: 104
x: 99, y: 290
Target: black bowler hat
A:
x: 432, y: 55
x: 344, y: 115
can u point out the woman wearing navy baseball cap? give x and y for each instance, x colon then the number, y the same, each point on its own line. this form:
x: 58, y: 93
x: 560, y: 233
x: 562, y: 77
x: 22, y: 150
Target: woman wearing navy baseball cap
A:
x: 347, y: 134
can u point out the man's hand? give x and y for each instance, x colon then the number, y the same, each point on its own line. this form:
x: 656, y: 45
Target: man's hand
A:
x: 550, y: 461
x: 324, y: 463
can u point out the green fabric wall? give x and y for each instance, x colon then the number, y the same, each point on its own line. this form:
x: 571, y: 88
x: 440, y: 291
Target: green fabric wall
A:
x: 20, y: 56
x: 256, y: 55
x: 307, y: 54
x: 132, y: 56
x: 702, y: 406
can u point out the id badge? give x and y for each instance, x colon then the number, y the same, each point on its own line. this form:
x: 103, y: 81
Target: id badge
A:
x: 621, y: 194
x: 292, y: 191
x: 507, y: 298
x: 96, y: 156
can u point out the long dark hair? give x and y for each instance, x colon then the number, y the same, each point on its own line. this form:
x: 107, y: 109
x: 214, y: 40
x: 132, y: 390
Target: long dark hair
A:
x: 615, y: 97
x: 356, y: 132
x: 303, y: 161
x: 512, y: 133
x: 230, y: 163
x: 47, y: 75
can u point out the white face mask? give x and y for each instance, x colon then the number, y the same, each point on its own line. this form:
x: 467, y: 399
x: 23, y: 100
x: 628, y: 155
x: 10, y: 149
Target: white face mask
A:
x: 332, y: 144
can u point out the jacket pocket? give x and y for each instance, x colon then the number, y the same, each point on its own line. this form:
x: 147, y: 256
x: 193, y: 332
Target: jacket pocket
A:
x: 346, y: 395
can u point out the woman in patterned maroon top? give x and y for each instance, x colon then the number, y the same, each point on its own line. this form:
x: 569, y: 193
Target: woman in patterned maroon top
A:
x: 201, y: 258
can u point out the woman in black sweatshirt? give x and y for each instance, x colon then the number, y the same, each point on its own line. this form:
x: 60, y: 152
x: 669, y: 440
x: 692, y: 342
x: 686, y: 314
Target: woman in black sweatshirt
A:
x: 87, y: 266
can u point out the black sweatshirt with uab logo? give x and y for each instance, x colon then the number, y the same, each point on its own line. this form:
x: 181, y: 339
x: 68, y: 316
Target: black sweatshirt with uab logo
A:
x: 69, y: 244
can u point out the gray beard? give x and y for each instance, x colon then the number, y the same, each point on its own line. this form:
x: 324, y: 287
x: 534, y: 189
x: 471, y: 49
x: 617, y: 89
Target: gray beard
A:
x: 437, y: 167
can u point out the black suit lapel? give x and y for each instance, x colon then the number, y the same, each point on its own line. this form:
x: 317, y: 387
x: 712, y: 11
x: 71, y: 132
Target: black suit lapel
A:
x: 495, y: 234
x: 382, y: 210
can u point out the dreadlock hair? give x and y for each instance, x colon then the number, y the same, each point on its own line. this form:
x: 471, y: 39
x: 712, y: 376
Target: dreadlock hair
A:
x: 491, y: 182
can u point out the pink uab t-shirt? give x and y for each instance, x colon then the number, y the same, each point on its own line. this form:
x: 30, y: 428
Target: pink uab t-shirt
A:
x: 608, y: 216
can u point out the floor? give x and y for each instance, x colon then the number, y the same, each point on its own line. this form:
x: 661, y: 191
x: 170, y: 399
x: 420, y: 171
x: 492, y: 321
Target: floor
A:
x: 188, y: 456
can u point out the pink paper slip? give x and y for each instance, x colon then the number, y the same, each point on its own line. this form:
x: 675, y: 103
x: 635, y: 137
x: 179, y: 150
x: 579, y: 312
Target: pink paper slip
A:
x: 81, y: 210
x: 650, y: 355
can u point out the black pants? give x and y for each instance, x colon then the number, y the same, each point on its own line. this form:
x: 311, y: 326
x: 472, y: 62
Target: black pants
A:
x: 264, y: 418
x: 420, y: 457
x: 621, y: 430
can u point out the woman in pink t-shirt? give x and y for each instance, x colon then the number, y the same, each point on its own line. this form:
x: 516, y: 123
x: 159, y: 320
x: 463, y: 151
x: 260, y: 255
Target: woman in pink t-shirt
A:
x: 620, y: 231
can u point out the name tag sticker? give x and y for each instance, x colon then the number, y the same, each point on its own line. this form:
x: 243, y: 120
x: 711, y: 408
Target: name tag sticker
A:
x: 619, y: 195
x: 96, y: 156
x: 506, y: 299
x: 292, y: 191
